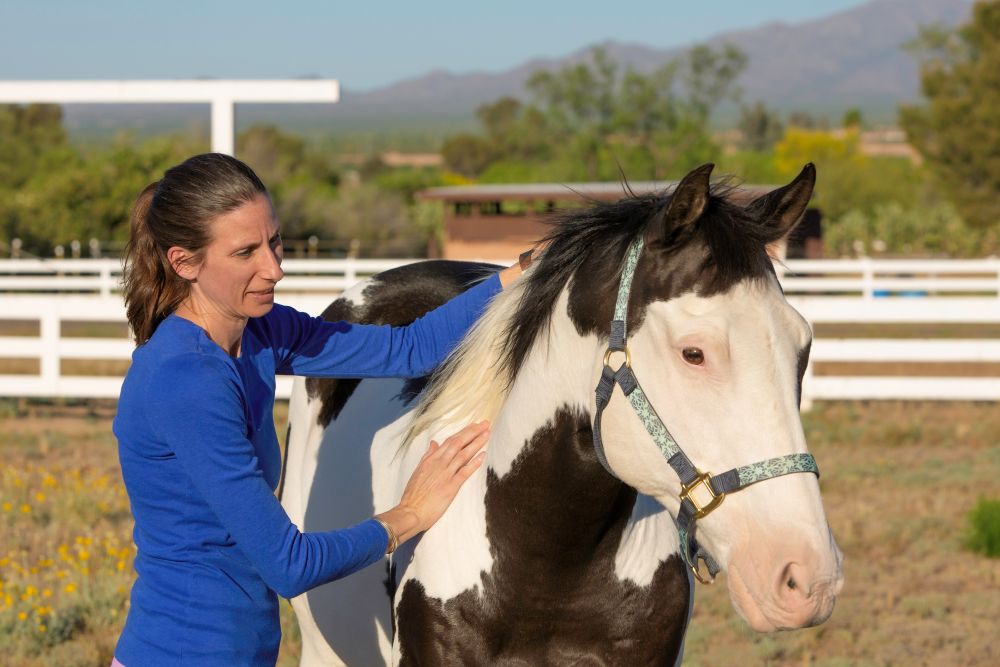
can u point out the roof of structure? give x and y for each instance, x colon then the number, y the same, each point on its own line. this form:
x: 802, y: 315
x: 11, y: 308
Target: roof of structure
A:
x: 604, y: 191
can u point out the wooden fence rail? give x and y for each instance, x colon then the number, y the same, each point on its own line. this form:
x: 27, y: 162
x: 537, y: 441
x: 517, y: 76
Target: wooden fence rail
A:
x: 47, y: 328
x: 865, y: 278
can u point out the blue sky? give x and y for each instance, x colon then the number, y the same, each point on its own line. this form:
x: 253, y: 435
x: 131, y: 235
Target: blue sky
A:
x: 363, y: 44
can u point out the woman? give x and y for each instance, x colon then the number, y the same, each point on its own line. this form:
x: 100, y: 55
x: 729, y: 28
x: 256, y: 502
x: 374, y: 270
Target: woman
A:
x: 197, y: 444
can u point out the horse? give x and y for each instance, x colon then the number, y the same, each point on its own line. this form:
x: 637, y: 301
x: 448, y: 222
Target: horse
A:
x: 581, y: 537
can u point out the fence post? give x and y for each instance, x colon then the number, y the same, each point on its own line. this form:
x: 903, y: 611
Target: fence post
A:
x: 350, y: 272
x: 996, y: 267
x: 806, y: 399
x: 48, y: 323
x: 867, y: 279
x: 105, y: 279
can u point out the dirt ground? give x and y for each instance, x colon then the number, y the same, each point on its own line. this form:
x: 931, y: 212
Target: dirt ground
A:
x: 898, y: 481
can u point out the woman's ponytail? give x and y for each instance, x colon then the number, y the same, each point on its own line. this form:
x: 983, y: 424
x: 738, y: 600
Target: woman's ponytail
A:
x: 150, y: 285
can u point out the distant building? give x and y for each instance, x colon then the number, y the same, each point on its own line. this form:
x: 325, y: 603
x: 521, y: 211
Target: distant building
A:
x: 496, y: 222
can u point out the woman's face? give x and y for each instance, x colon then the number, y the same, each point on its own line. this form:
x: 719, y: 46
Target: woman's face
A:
x: 242, y: 262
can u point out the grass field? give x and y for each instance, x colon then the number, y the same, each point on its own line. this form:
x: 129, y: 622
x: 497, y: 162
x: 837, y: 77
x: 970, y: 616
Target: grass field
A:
x: 898, y: 481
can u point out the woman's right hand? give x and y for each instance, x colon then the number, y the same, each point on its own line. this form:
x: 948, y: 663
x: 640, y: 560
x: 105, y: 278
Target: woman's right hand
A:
x: 435, y: 482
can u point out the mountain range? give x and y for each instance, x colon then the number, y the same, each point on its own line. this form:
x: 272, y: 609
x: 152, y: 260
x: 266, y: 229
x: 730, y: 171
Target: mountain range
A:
x: 851, y: 59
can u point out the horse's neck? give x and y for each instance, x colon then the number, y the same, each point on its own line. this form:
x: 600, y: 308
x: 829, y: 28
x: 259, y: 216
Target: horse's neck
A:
x: 542, y: 453
x: 543, y: 456
x: 558, y: 373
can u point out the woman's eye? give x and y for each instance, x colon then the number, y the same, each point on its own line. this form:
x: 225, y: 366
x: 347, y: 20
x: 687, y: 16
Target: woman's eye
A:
x: 693, y: 356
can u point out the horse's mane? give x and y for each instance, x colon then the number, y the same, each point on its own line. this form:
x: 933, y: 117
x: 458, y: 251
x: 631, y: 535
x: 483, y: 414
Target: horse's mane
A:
x: 474, y: 381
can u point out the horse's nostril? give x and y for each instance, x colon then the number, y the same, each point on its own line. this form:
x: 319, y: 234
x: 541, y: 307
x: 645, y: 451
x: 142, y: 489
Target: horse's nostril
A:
x: 791, y: 584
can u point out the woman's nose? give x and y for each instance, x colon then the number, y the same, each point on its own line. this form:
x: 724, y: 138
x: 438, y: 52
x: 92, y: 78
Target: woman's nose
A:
x: 272, y: 264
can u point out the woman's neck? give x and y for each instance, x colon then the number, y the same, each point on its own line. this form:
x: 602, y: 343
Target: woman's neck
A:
x: 225, y: 331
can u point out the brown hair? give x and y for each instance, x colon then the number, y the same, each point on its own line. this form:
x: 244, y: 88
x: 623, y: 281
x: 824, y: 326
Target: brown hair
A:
x: 177, y: 211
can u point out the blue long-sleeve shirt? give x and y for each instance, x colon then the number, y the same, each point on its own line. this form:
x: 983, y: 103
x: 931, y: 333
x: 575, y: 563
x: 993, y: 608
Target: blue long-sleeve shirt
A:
x: 200, y: 460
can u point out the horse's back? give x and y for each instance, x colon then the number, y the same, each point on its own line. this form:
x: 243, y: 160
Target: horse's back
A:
x: 327, y: 482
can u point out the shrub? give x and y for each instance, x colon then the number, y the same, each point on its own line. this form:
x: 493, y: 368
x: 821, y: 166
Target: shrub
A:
x: 893, y: 229
x: 984, y: 528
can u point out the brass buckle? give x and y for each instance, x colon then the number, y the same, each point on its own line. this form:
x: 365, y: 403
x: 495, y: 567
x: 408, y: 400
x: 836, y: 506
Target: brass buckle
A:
x: 716, y: 500
x: 609, y: 352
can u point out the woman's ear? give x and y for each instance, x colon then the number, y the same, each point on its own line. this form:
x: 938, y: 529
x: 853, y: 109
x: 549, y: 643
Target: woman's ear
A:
x: 182, y: 262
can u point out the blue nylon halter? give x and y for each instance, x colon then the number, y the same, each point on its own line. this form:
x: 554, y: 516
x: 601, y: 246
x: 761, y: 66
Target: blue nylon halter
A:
x: 717, y: 486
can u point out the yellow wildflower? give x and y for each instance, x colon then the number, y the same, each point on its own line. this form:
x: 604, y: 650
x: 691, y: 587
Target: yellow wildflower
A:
x: 47, y: 593
x: 83, y: 554
x: 22, y: 616
x: 70, y: 587
x: 121, y: 565
x: 8, y: 601
x: 8, y: 506
x: 49, y: 481
x: 41, y: 627
x: 26, y: 508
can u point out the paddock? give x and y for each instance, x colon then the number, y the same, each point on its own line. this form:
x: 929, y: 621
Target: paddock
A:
x: 898, y: 479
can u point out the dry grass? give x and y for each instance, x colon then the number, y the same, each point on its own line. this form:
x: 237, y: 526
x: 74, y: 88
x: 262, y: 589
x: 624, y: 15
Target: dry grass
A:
x: 898, y: 481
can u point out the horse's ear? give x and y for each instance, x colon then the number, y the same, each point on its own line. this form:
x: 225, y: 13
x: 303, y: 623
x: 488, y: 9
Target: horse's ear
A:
x: 687, y: 202
x: 781, y: 209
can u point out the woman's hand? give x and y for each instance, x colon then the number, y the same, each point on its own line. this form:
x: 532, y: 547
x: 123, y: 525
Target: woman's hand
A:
x: 524, y: 260
x: 435, y: 482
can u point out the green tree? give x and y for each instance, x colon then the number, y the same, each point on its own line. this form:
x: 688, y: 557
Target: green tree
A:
x: 579, y: 105
x: 592, y: 119
x: 52, y: 193
x: 303, y: 185
x: 468, y: 154
x: 710, y: 77
x: 500, y: 119
x: 852, y: 118
x: 957, y: 129
x: 761, y: 128
x: 805, y: 120
x: 847, y: 179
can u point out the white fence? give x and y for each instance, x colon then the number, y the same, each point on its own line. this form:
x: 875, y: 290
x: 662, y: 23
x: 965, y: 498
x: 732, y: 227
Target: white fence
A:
x: 83, y: 291
x: 872, y: 278
x: 929, y: 310
x: 866, y: 278
x: 103, y: 276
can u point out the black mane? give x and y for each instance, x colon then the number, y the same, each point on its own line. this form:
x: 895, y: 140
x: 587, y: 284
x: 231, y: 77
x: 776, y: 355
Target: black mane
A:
x: 726, y: 245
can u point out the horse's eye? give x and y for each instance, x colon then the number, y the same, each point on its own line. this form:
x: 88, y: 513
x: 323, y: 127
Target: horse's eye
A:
x: 693, y: 355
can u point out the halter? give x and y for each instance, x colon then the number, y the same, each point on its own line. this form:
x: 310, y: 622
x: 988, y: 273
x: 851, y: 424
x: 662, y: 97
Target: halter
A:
x: 713, y: 489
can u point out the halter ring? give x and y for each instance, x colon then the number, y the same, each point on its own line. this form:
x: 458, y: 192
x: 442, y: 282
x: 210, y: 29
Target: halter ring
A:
x: 703, y: 479
x: 698, y: 575
x: 610, y: 351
